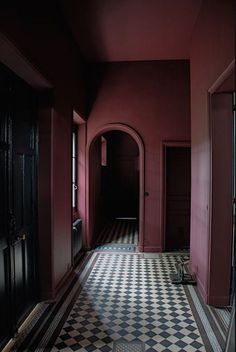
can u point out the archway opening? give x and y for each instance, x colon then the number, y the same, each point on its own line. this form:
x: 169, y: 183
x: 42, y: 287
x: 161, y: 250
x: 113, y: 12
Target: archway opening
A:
x: 115, y: 189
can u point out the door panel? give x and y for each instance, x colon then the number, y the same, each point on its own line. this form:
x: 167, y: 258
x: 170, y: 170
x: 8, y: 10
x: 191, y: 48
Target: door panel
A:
x: 19, y: 279
x: 28, y: 188
x: 18, y: 196
x: 178, y: 189
x: 23, y: 171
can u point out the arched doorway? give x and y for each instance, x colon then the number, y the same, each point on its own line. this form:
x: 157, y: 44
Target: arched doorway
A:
x: 97, y: 204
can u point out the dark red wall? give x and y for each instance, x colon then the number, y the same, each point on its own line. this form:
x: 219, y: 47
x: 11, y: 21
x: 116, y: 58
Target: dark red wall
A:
x: 45, y: 201
x: 154, y: 99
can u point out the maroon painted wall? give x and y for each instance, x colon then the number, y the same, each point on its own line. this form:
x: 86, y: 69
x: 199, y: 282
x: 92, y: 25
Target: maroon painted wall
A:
x: 154, y: 99
x: 38, y: 32
x: 212, y: 50
x: 132, y: 30
x: 61, y: 184
x: 45, y: 201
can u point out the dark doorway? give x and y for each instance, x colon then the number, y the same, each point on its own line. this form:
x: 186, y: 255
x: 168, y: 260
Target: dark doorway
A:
x: 178, y: 192
x: 120, y: 176
x: 114, y: 188
x: 18, y: 184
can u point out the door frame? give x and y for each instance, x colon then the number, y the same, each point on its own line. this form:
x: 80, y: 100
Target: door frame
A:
x: 137, y: 138
x: 164, y: 146
x: 212, y: 296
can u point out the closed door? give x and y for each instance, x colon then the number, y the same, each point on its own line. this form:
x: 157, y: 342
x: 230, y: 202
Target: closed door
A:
x: 178, y: 190
x: 18, y: 203
x: 22, y: 206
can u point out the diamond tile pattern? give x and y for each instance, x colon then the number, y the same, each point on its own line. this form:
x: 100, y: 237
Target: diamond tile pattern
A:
x: 120, y: 231
x: 131, y: 298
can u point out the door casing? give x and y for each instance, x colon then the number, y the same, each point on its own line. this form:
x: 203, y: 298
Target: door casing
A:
x: 164, y: 146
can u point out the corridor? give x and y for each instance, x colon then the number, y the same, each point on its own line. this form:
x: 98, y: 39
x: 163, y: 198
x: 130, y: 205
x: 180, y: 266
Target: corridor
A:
x: 117, y: 169
x: 125, y: 298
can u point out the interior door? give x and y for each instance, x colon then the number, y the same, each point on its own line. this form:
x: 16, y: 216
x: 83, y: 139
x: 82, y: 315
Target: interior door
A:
x: 22, y: 206
x: 18, y: 208
x: 178, y: 190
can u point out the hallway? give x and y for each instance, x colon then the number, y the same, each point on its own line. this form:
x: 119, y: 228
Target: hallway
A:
x: 125, y: 297
x: 117, y: 161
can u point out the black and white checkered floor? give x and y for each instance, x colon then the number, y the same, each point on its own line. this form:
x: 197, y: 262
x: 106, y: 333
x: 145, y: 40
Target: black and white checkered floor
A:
x: 119, y: 231
x: 130, y: 297
x: 117, y: 297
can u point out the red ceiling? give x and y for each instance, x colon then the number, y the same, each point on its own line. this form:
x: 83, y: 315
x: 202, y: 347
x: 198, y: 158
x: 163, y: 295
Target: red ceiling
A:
x: 124, y: 30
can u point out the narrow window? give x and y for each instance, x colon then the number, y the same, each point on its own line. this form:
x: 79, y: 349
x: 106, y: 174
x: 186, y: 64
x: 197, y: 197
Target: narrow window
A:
x: 103, y: 151
x: 74, y: 168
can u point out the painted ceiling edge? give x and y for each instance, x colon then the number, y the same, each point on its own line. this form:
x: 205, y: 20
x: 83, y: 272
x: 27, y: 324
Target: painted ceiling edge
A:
x: 16, y: 61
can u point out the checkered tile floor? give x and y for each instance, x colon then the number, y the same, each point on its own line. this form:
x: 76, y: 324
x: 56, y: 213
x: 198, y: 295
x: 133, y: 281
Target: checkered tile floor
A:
x: 122, y: 231
x: 130, y: 297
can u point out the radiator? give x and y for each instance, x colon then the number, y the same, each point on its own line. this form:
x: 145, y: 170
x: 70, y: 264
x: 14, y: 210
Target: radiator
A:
x: 77, y: 237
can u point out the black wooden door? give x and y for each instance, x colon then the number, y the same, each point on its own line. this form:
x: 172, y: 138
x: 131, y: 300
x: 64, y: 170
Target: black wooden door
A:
x: 18, y: 202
